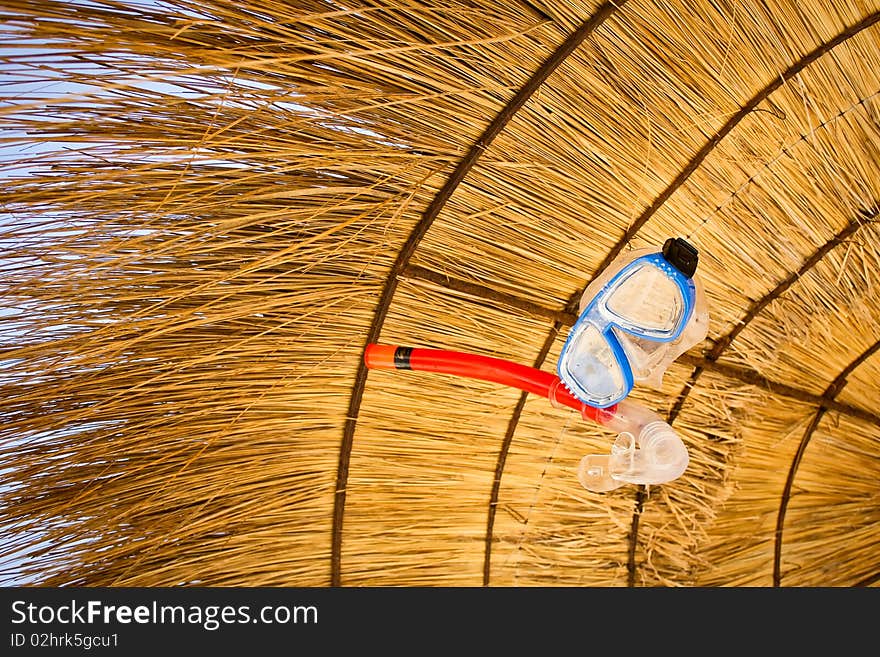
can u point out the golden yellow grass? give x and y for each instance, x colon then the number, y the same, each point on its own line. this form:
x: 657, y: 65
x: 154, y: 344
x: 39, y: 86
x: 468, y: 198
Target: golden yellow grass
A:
x: 193, y: 246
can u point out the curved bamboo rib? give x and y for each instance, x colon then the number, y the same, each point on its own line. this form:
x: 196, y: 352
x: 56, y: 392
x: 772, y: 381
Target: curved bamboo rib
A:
x: 692, y: 166
x: 502, y: 458
x: 562, y: 317
x: 830, y: 393
x: 722, y: 344
x: 734, y: 372
x: 683, y: 176
x: 631, y: 566
x: 722, y: 132
x: 752, y: 377
x: 406, y: 252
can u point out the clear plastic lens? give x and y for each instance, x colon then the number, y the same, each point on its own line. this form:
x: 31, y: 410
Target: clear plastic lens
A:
x: 647, y: 301
x: 591, y: 362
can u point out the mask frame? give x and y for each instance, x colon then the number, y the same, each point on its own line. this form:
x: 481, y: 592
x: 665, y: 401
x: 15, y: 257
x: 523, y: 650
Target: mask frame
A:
x: 622, y: 334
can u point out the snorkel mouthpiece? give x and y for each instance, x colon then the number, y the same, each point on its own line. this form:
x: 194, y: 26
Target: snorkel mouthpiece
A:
x: 647, y: 451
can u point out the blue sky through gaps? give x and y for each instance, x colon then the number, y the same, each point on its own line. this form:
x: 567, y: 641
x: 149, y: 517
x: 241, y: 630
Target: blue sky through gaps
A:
x: 24, y: 80
x: 36, y: 74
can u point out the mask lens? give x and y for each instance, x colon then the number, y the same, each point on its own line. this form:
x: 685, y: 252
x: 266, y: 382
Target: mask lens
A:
x: 647, y: 302
x: 590, y: 363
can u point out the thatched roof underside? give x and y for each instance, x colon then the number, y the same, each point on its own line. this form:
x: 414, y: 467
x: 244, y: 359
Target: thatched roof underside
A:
x: 209, y: 210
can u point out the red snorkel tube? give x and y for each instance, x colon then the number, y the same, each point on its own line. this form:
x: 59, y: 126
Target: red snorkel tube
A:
x: 647, y: 450
x: 485, y: 368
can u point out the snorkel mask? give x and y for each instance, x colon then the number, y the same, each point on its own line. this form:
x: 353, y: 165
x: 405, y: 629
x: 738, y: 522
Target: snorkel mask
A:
x: 644, y: 311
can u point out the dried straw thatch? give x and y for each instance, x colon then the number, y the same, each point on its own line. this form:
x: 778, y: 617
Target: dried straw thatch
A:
x: 209, y: 208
